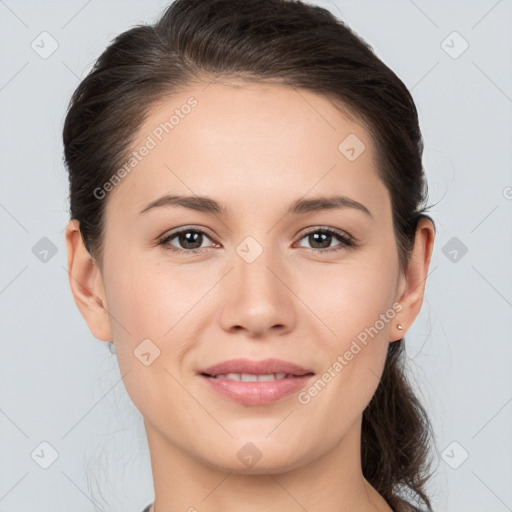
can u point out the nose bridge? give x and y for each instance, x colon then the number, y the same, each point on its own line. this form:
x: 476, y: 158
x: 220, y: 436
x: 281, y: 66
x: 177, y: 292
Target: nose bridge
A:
x: 256, y: 266
x: 258, y: 298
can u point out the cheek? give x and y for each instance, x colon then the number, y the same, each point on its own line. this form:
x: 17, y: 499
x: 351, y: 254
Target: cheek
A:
x: 351, y: 299
x: 145, y: 304
x: 157, y: 310
x: 358, y: 309
x: 147, y: 299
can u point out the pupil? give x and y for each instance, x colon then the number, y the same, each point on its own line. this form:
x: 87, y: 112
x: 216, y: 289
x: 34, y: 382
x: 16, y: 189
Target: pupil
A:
x: 323, y: 237
x: 189, y: 237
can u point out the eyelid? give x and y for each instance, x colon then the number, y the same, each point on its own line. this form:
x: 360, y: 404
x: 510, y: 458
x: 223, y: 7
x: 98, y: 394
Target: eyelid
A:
x: 323, y: 227
x: 173, y: 233
x: 347, y: 241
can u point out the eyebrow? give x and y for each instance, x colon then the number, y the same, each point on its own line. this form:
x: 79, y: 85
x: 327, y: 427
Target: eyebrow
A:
x: 300, y: 206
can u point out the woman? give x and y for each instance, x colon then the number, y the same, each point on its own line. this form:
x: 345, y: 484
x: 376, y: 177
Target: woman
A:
x: 211, y: 158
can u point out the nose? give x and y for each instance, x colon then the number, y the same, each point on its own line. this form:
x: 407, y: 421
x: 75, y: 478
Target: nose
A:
x: 258, y: 297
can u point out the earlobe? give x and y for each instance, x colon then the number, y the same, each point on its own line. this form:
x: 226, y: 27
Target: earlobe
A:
x: 86, y: 284
x: 412, y: 285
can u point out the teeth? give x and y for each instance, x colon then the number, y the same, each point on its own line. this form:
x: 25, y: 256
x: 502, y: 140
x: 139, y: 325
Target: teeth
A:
x: 245, y: 377
x: 249, y: 377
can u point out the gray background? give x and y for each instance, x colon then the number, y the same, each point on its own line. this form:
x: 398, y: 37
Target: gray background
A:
x: 61, y: 386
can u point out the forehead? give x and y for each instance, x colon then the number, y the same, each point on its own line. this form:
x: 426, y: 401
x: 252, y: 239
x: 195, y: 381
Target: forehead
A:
x: 244, y: 142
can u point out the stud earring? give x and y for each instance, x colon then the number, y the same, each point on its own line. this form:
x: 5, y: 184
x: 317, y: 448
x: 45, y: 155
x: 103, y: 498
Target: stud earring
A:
x: 399, y: 327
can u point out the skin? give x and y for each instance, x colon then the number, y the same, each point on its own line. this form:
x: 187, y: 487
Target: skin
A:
x: 255, y: 148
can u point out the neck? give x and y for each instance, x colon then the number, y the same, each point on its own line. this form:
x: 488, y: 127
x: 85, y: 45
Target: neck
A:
x: 333, y: 481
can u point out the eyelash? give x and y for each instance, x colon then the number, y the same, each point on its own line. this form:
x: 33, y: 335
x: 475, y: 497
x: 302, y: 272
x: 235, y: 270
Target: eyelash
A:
x: 347, y: 242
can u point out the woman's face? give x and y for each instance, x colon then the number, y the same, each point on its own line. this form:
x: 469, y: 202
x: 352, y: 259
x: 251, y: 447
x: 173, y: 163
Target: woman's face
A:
x: 265, y: 282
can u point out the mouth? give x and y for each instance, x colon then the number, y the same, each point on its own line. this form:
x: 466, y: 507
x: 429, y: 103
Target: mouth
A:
x: 256, y: 382
x: 265, y: 367
x: 251, y: 377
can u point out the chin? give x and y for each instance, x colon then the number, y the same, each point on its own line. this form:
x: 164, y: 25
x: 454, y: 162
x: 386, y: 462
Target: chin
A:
x: 241, y: 463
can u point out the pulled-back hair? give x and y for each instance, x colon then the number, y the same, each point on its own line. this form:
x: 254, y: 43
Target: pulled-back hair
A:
x: 285, y: 42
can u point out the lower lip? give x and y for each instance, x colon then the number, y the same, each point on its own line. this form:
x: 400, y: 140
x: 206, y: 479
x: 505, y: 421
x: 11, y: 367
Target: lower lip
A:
x: 257, y: 393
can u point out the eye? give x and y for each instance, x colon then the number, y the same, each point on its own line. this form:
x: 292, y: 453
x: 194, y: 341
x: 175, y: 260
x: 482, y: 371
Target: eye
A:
x: 323, y: 237
x: 190, y: 240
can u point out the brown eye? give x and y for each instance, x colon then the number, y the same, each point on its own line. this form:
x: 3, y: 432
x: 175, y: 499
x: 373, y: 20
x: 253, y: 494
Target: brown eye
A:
x: 190, y: 239
x: 321, y: 239
x: 187, y: 240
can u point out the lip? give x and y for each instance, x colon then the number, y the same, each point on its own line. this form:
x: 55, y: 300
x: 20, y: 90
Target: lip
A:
x: 264, y: 366
x: 259, y: 392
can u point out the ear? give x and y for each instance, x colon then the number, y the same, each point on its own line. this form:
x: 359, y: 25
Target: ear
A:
x: 412, y: 282
x: 86, y: 284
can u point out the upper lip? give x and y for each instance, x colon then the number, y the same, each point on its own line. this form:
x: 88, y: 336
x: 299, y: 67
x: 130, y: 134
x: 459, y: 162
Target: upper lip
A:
x: 263, y: 367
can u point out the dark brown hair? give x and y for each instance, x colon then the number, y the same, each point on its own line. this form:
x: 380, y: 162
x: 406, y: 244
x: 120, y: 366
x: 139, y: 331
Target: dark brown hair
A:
x: 295, y: 44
